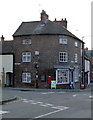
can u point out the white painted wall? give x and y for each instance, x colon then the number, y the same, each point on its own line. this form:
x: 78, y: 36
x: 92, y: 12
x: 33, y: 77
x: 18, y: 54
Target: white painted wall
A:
x: 87, y: 68
x: 6, y: 62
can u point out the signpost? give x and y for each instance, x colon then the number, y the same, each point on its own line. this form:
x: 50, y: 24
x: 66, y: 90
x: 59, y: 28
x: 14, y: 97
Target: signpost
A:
x: 53, y: 84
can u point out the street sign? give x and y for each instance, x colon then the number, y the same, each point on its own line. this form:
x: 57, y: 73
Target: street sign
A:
x: 53, y: 84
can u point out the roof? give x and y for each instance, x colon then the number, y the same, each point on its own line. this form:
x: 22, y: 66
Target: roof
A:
x: 89, y: 53
x: 36, y: 28
x: 6, y: 47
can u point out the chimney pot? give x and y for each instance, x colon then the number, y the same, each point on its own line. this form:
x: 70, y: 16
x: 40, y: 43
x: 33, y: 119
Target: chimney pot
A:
x: 2, y: 38
x: 55, y: 19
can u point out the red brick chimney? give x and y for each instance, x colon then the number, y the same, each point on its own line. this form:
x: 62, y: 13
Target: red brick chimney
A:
x: 44, y: 17
x: 2, y: 38
x: 62, y: 22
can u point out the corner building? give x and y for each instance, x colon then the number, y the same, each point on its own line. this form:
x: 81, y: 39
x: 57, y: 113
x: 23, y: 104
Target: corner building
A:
x: 48, y: 44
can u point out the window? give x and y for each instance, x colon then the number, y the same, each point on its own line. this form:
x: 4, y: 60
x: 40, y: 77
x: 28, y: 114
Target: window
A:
x: 62, y: 41
x: 76, y: 44
x: 76, y: 57
x: 62, y: 76
x: 26, y: 77
x: 26, y: 57
x: 42, y: 77
x: 63, y: 57
x: 26, y: 41
x: 36, y: 52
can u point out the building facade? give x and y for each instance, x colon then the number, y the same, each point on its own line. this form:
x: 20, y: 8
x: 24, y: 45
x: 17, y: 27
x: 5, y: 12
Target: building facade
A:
x: 56, y: 51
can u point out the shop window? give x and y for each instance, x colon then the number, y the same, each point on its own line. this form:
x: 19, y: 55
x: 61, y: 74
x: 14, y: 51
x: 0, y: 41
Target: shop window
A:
x: 62, y: 76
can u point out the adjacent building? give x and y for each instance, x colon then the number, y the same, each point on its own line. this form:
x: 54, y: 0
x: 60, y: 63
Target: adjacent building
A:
x: 6, y: 63
x: 89, y: 54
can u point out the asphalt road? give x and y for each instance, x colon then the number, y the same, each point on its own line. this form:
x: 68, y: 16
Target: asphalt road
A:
x: 34, y: 104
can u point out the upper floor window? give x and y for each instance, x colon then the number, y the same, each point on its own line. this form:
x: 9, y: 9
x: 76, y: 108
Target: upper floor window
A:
x: 62, y: 41
x: 26, y: 41
x: 63, y: 57
x: 76, y: 44
x: 26, y: 57
x: 76, y: 57
x: 26, y: 77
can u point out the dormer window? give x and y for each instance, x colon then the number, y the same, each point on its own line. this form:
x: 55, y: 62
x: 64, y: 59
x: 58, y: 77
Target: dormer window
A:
x: 62, y: 41
x: 26, y: 41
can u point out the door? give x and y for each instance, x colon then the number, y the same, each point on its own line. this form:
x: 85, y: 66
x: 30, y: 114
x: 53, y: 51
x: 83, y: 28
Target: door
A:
x: 9, y: 79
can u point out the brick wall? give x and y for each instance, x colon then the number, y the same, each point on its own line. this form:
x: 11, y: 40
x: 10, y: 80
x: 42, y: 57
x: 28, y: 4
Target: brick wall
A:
x: 49, y: 48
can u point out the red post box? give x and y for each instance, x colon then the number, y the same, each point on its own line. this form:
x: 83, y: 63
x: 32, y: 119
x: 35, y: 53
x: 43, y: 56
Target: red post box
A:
x: 82, y: 86
x: 49, y: 79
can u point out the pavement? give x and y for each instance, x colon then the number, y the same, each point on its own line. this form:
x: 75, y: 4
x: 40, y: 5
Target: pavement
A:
x: 8, y: 98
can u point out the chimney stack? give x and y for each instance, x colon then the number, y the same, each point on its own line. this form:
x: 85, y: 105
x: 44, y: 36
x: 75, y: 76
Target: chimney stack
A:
x: 62, y: 22
x: 2, y: 38
x: 44, y: 17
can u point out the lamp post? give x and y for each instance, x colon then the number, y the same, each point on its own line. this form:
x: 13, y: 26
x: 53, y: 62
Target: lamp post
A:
x: 72, y: 69
x: 36, y: 67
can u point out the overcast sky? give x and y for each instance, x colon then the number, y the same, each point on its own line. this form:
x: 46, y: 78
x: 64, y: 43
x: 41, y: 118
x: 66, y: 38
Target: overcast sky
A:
x: 77, y: 13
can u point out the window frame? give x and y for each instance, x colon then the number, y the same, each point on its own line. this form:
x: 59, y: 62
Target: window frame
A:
x: 76, y: 57
x: 76, y: 44
x: 26, y: 42
x: 63, y: 41
x: 57, y: 75
x: 65, y: 57
x: 26, y: 57
x: 26, y: 78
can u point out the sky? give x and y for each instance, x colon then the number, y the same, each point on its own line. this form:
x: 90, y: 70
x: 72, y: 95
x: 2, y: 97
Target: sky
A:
x: 77, y: 13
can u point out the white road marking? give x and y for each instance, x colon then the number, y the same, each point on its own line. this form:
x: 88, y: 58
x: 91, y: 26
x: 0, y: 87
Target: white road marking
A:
x: 26, y: 101
x: 3, y: 112
x: 31, y: 100
x: 90, y: 96
x: 43, y: 105
x: 46, y: 104
x: 34, y: 103
x: 48, y: 113
x: 44, y: 93
x: 49, y: 104
x: 39, y: 102
x: 74, y: 95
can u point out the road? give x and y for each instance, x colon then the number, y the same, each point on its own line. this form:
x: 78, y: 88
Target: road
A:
x: 36, y: 104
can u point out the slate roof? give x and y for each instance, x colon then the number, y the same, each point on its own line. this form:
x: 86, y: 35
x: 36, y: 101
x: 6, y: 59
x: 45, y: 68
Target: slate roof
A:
x: 6, y: 47
x: 89, y: 53
x: 36, y: 28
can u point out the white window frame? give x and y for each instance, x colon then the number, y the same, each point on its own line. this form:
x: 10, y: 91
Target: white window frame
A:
x: 62, y: 41
x: 76, y: 57
x: 26, y: 77
x: 59, y: 75
x: 26, y: 55
x: 64, y: 56
x: 26, y: 41
x: 76, y: 44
